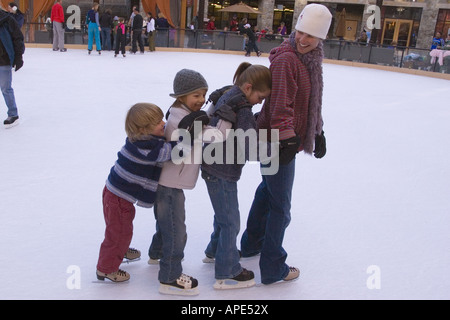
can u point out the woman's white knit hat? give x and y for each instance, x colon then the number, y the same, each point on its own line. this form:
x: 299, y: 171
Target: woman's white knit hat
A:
x: 315, y: 20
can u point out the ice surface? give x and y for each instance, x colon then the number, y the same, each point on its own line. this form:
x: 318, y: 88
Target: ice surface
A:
x: 369, y: 221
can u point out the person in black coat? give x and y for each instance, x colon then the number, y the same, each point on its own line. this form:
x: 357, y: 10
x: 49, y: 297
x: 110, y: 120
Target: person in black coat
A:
x: 11, y: 51
x: 251, y: 44
x: 105, y: 24
x: 138, y: 23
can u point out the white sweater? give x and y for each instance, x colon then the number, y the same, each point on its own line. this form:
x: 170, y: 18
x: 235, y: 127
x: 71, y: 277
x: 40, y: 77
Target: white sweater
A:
x: 185, y: 174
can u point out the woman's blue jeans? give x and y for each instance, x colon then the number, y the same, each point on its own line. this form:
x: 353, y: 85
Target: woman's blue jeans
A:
x: 170, y: 215
x: 222, y: 246
x: 268, y: 219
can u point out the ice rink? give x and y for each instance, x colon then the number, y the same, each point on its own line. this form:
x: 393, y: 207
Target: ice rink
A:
x: 369, y: 221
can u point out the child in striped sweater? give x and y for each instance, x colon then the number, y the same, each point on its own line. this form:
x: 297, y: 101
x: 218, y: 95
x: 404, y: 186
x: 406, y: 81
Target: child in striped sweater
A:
x: 132, y: 180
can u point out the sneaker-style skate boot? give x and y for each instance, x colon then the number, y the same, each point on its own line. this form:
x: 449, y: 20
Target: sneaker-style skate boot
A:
x: 293, y: 274
x: 132, y: 254
x: 11, y: 122
x: 245, y: 279
x: 118, y: 276
x: 185, y: 286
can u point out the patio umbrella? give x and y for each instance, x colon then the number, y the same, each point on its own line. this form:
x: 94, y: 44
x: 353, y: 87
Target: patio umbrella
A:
x: 340, y: 29
x: 240, y: 8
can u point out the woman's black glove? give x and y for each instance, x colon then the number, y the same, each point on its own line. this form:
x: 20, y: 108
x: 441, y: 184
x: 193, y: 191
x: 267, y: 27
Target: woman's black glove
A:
x: 188, y: 121
x: 320, y: 148
x: 288, y: 149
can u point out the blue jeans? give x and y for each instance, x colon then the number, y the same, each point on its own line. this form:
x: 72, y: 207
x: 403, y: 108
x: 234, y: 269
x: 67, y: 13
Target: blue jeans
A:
x: 170, y: 215
x: 94, y: 32
x: 222, y: 246
x: 7, y: 90
x: 155, y: 249
x: 268, y: 219
x: 106, y: 38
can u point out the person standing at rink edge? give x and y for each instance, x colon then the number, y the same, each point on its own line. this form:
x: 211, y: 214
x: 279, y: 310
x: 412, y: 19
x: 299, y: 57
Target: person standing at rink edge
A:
x: 57, y: 17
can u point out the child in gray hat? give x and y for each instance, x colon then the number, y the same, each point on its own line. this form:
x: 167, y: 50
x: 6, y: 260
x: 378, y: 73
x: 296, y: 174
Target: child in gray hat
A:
x: 189, y: 90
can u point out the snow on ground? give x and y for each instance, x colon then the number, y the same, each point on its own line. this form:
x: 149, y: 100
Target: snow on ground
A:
x: 369, y: 221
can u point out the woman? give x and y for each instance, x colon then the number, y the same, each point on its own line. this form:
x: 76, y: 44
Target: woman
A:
x: 294, y: 108
x: 94, y: 29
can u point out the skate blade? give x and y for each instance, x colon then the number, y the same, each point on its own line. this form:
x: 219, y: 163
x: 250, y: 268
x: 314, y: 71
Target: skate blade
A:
x: 227, y: 284
x: 171, y: 290
x: 127, y: 261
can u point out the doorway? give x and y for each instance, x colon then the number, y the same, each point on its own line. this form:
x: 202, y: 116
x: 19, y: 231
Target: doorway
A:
x: 397, y: 32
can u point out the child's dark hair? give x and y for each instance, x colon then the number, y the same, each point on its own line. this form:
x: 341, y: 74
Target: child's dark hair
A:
x: 258, y: 76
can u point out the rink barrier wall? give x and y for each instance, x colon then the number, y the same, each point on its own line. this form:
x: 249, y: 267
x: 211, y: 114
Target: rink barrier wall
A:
x: 328, y: 61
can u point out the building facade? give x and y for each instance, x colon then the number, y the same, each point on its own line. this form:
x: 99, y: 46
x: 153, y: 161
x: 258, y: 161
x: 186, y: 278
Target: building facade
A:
x: 410, y: 23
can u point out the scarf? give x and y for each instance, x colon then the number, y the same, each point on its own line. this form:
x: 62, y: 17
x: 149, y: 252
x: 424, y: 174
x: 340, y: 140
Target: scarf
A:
x: 313, y: 63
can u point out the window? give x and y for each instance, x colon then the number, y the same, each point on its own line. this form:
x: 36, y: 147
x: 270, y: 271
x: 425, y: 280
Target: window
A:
x: 443, y: 22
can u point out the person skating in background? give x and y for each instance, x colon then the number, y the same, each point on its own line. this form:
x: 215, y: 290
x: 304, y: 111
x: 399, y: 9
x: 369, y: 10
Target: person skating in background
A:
x: 246, y: 29
x: 151, y: 32
x: 136, y: 27
x: 17, y: 14
x: 11, y: 52
x: 93, y: 22
x: 57, y: 17
x: 121, y: 37
x: 106, y: 22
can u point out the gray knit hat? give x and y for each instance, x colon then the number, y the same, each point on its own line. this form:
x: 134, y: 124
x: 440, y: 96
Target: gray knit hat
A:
x: 187, y: 81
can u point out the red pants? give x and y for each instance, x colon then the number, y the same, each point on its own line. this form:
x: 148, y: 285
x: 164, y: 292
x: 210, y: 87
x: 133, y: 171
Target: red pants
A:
x: 119, y: 214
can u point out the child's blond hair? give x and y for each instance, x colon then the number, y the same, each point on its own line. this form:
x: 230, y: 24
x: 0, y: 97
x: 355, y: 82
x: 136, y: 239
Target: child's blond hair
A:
x: 142, y: 118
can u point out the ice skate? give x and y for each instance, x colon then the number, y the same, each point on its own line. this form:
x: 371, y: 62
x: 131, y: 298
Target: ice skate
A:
x: 185, y: 286
x: 245, y: 279
x: 153, y: 261
x: 293, y: 274
x: 118, y: 276
x: 11, y: 122
x: 208, y: 259
x: 132, y: 254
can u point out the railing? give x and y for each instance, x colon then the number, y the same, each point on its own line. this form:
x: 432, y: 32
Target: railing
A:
x: 396, y: 56
x: 401, y: 57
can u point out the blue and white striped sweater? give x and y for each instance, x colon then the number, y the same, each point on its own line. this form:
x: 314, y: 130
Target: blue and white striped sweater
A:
x: 135, y: 175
